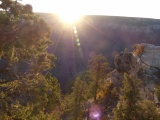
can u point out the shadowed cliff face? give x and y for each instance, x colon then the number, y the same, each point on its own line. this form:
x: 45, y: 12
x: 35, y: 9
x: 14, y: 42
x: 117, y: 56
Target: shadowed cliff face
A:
x: 97, y: 34
x: 125, y: 63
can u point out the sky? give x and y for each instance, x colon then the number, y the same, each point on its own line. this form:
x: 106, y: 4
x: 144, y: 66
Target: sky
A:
x: 130, y: 8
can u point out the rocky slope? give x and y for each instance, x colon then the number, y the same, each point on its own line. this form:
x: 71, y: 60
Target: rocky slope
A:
x: 143, y: 63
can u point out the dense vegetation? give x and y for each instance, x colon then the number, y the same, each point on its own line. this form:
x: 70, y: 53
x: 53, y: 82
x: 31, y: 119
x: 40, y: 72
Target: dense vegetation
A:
x: 29, y: 92
x: 25, y: 91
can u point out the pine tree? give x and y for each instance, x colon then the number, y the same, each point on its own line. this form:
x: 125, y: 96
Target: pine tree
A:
x: 158, y: 92
x: 127, y: 107
x: 148, y: 111
x: 25, y: 93
x: 73, y: 104
x: 30, y: 97
x: 98, y: 69
x: 24, y: 39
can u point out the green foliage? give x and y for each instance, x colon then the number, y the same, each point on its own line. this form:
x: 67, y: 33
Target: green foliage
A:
x: 127, y: 107
x: 158, y: 92
x: 98, y: 69
x: 148, y: 111
x: 26, y: 94
x: 98, y: 63
x: 131, y: 88
x: 46, y: 116
x: 24, y: 39
x: 30, y: 97
x: 130, y: 106
x: 73, y: 103
x: 104, y: 90
x: 117, y: 61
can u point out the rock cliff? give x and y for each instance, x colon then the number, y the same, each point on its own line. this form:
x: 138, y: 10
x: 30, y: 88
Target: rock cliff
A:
x: 143, y: 63
x: 150, y: 54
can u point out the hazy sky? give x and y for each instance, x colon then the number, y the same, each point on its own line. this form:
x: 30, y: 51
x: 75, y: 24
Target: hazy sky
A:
x: 133, y: 8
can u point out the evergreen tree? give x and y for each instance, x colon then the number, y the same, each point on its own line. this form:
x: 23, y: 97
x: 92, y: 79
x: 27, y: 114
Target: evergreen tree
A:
x: 148, y: 111
x: 25, y: 93
x: 128, y: 107
x: 98, y: 69
x: 30, y: 98
x: 74, y: 103
x: 24, y: 38
x: 158, y: 92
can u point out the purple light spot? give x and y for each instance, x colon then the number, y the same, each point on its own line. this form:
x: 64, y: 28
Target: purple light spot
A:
x: 96, y: 115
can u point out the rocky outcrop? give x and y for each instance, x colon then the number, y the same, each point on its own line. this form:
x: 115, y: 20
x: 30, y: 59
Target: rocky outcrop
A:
x: 124, y: 62
x: 116, y: 78
x: 150, y: 55
x: 143, y: 63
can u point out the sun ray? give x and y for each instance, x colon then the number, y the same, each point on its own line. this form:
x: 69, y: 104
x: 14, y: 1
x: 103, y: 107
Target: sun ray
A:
x: 94, y: 27
x: 74, y: 60
x: 60, y: 35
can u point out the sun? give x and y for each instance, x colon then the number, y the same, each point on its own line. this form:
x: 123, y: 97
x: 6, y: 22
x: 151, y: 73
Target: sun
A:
x: 69, y: 17
x: 69, y: 11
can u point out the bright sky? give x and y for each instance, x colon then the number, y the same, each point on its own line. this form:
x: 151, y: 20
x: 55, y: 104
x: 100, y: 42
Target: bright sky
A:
x: 132, y: 8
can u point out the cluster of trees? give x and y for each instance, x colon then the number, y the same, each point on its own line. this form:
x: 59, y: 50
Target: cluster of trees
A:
x: 89, y: 89
x: 131, y: 106
x: 92, y: 88
x: 29, y: 92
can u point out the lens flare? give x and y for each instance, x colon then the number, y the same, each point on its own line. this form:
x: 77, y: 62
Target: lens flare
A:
x: 74, y: 27
x: 75, y: 31
x: 95, y: 112
x: 96, y: 115
x: 78, y: 44
x: 77, y: 40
